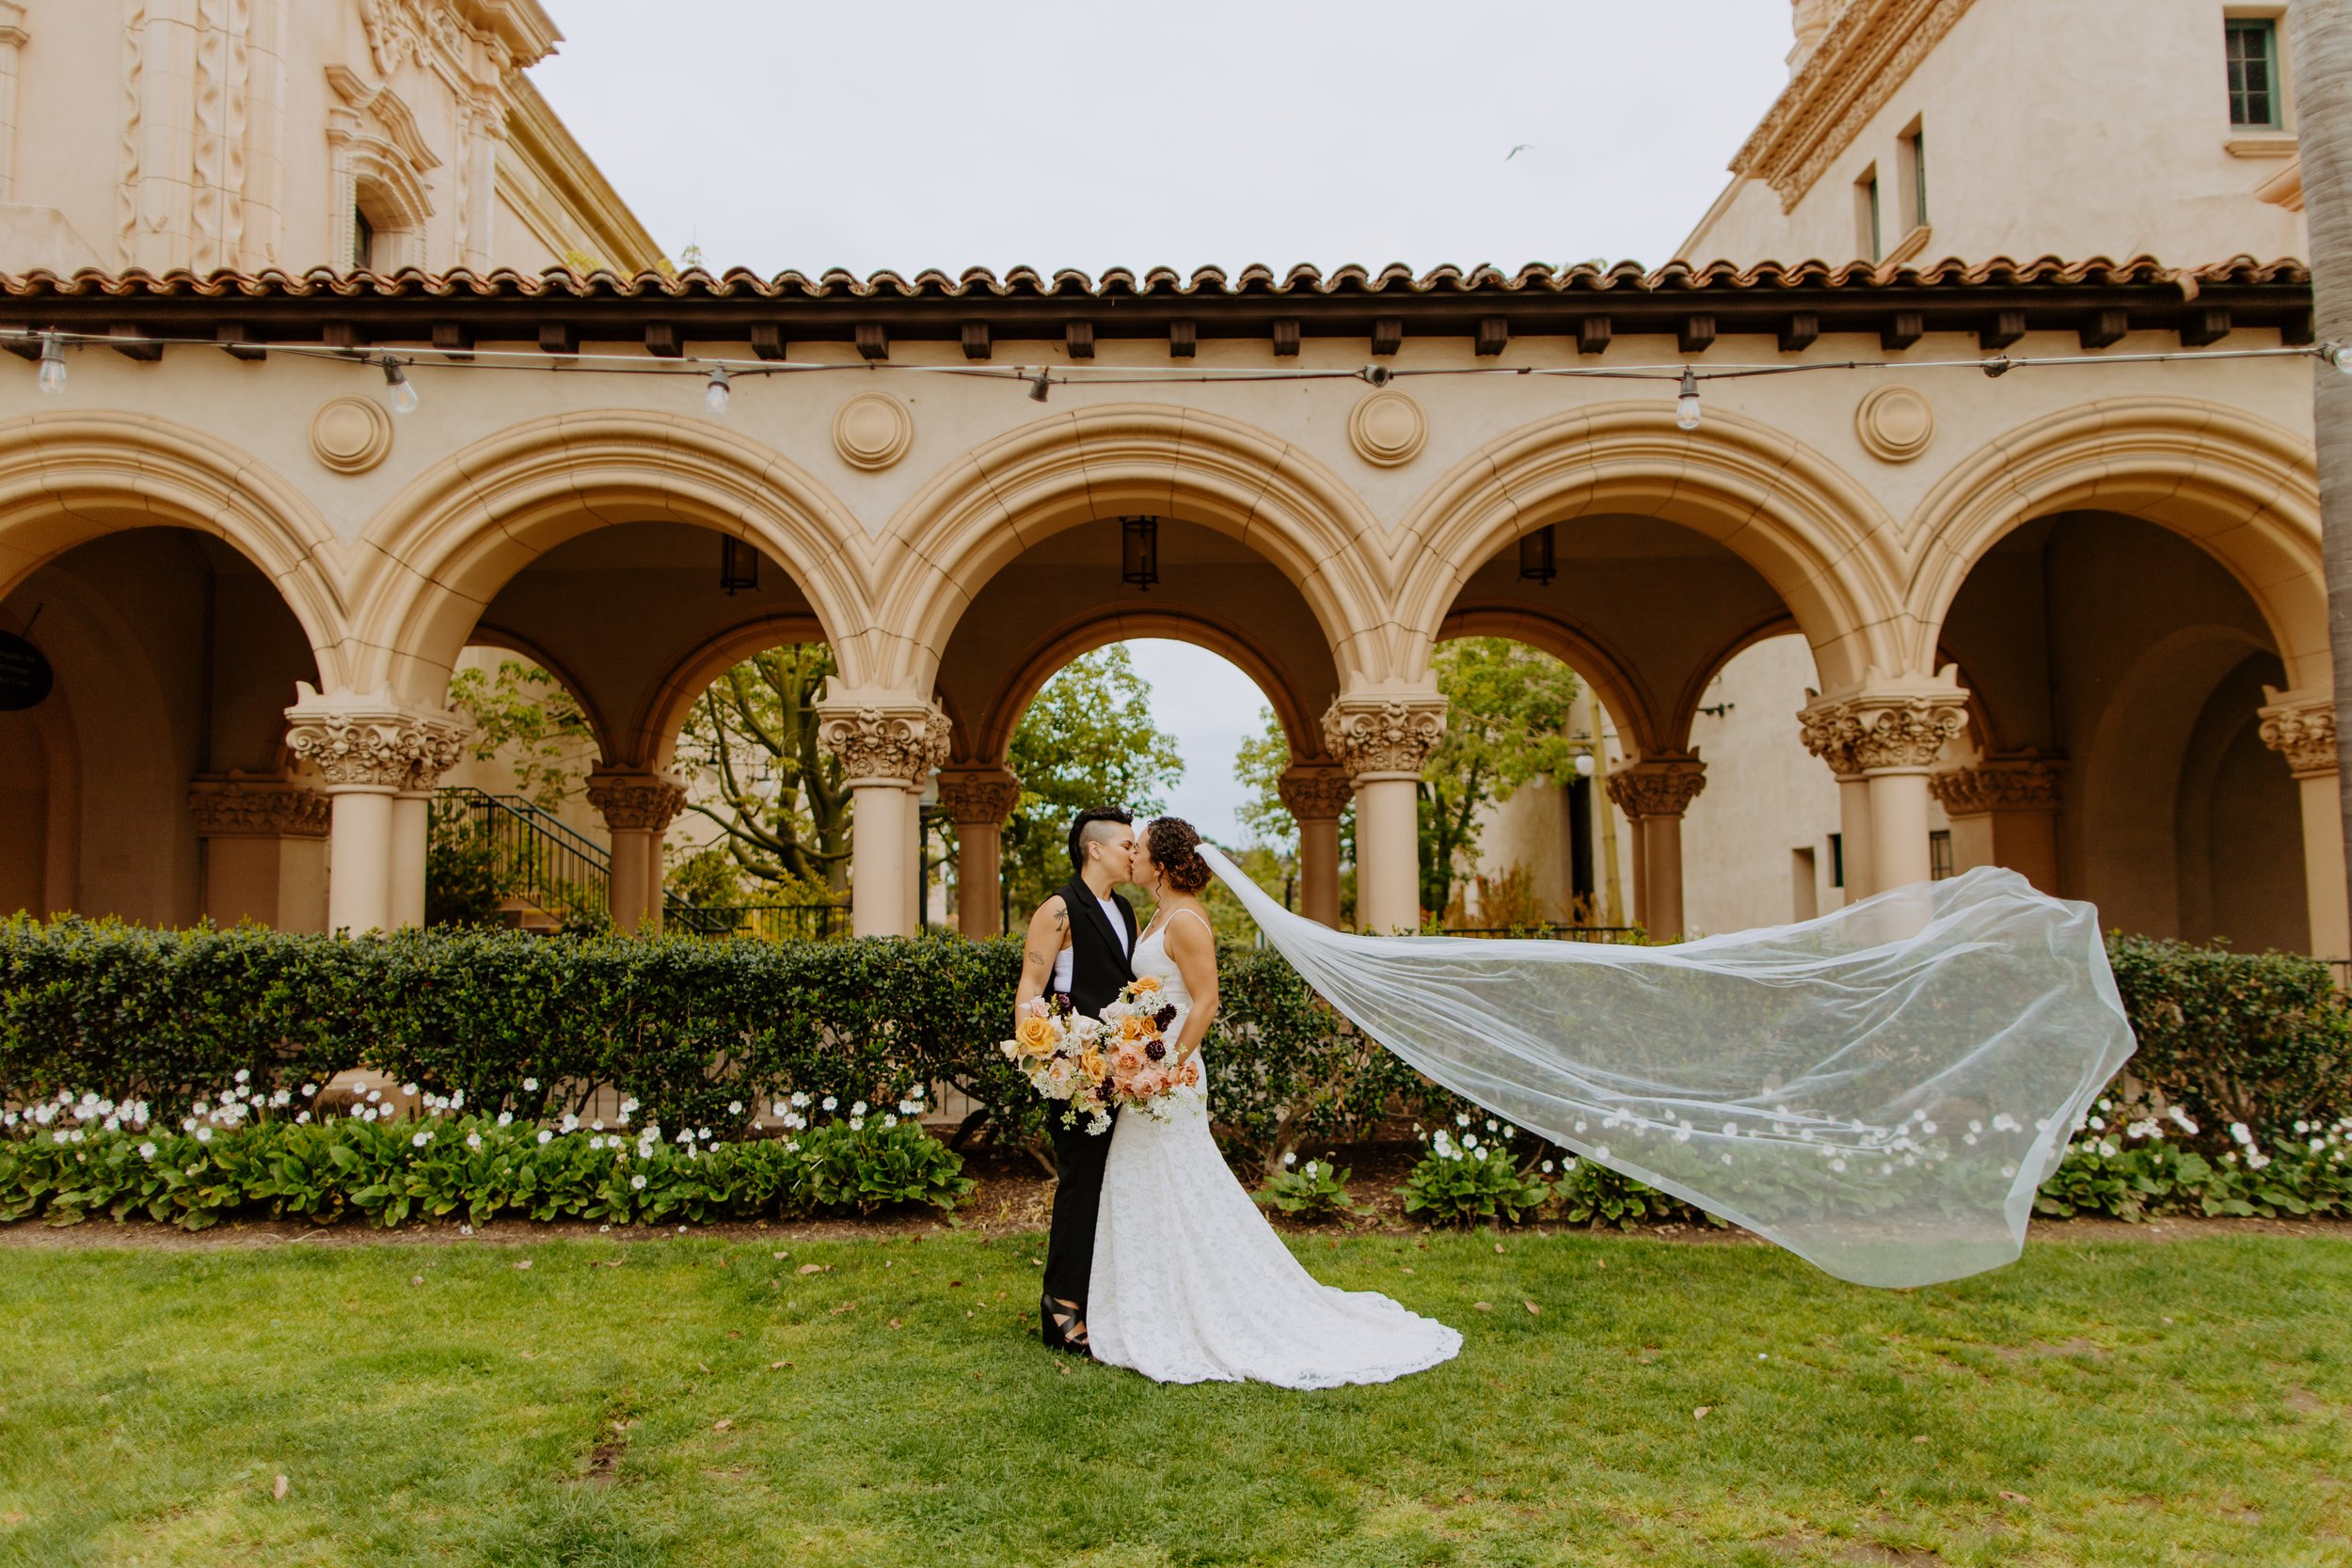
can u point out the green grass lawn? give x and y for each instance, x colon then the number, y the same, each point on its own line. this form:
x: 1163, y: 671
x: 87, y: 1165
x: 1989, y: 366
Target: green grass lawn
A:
x: 621, y: 1404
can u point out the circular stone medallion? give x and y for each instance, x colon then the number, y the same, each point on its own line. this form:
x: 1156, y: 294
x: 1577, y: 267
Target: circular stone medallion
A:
x: 1896, y: 423
x: 351, y: 435
x: 1388, y: 428
x: 872, y: 430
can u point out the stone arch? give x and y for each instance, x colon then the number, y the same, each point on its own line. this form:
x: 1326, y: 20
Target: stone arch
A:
x: 2241, y: 489
x: 1813, y: 534
x: 1083, y: 634
x: 651, y: 739
x: 461, y: 530
x: 488, y: 634
x: 977, y: 516
x: 1632, y: 706
x: 66, y: 479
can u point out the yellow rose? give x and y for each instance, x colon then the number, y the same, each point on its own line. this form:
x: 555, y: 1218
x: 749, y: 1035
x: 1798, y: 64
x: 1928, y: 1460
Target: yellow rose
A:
x: 1135, y: 1026
x: 1035, y: 1035
x: 1146, y: 985
x: 1091, y: 1063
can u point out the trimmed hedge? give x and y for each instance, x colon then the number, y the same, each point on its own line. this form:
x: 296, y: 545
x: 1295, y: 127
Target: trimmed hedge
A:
x: 532, y: 1025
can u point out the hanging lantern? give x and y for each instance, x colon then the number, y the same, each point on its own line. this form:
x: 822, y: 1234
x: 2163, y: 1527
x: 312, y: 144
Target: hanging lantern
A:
x: 1538, y: 560
x: 1139, y: 552
x: 738, y: 565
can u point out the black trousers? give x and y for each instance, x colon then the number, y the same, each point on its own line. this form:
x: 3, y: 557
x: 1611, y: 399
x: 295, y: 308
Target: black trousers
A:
x: 1079, y: 1158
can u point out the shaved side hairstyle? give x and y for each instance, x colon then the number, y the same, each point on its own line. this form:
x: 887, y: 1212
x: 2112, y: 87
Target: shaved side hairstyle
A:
x: 1093, y: 826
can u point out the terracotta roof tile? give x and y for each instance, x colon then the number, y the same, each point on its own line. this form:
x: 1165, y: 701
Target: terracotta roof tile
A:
x: 1205, y: 284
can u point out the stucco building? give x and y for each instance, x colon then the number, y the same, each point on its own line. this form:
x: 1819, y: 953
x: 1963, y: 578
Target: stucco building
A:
x: 2079, y: 606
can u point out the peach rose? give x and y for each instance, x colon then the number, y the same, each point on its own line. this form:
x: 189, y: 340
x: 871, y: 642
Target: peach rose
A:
x: 1035, y: 1035
x: 1191, y: 1073
x: 1146, y: 985
x: 1135, y: 1026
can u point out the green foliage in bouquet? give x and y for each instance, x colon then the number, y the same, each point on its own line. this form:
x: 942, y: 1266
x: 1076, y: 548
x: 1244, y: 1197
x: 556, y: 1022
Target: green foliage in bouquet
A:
x: 1311, y: 1190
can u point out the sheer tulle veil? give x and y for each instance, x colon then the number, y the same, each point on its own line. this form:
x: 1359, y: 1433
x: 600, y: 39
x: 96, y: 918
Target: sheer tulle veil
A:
x: 1880, y: 1090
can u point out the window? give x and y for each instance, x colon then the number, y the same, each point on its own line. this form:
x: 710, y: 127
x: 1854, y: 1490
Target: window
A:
x: 362, y: 241
x: 1940, y: 854
x: 1911, y: 166
x: 1837, y: 860
x: 2253, y: 60
x: 1865, y: 210
x: 1804, y: 895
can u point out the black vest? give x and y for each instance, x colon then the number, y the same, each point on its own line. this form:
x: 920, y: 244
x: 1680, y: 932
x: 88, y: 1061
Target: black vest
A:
x: 1098, y: 967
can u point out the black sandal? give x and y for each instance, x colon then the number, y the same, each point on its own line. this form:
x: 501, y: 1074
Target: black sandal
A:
x: 1063, y: 1326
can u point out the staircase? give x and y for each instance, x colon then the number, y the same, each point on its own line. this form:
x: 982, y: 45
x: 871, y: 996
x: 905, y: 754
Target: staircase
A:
x: 552, y: 877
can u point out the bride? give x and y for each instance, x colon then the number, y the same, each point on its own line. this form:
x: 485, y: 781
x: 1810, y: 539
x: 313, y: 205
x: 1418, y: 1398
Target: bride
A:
x: 1190, y: 1282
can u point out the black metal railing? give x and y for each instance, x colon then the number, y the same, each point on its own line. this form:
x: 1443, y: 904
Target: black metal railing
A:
x: 1550, y: 930
x: 539, y: 860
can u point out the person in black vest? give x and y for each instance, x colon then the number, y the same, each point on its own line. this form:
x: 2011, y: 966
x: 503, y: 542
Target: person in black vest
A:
x: 1079, y: 945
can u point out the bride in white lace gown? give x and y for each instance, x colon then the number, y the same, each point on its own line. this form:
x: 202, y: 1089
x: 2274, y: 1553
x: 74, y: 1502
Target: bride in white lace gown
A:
x: 1190, y: 1283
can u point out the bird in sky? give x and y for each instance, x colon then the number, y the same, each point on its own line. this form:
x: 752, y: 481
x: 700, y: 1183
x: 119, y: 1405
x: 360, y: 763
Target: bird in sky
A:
x: 1523, y: 147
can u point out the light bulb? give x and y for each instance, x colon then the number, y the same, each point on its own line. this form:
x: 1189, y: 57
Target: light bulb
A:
x: 1039, y: 387
x: 51, y: 364
x: 403, y: 391
x: 715, y: 393
x: 1583, y: 764
x: 1687, y: 404
x: 2339, y: 354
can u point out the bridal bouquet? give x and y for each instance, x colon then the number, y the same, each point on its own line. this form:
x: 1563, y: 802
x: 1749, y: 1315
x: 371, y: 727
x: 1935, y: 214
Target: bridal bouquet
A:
x: 1060, y: 1051
x: 1135, y: 1028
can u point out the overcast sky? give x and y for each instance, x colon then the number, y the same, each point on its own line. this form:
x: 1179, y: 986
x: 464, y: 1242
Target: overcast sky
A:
x: 773, y: 134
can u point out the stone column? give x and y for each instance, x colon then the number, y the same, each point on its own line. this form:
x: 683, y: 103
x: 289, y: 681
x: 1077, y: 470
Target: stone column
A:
x: 1315, y: 795
x: 1382, y: 739
x: 1655, y: 792
x: 2004, y: 812
x: 12, y: 41
x: 370, y: 750
x: 1888, y: 734
x: 980, y: 801
x: 638, y: 808
x: 886, y: 749
x: 2301, y: 727
x: 264, y: 850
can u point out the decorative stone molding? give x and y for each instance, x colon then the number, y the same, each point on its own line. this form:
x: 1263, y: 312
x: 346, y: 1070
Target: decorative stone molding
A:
x: 873, y: 430
x: 1890, y: 727
x: 1388, y: 429
x: 895, y: 744
x: 1312, y: 792
x: 1658, y: 787
x: 1896, y: 423
x: 985, y: 797
x: 1381, y: 737
x: 2028, y: 782
x: 637, y: 803
x: 351, y: 435
x: 240, y: 807
x: 2301, y: 727
x: 1861, y: 56
x: 371, y: 742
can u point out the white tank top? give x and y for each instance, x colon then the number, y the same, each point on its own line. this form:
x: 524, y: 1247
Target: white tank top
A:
x: 1065, y: 962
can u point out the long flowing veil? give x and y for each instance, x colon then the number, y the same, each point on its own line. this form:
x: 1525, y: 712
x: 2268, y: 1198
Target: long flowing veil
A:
x: 1880, y: 1090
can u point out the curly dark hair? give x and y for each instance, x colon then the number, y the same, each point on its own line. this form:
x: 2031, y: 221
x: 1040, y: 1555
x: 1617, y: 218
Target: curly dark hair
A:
x: 1175, y: 848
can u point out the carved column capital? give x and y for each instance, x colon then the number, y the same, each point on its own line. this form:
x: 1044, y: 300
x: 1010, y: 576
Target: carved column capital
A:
x: 2301, y: 727
x: 636, y: 802
x: 2026, y: 782
x: 373, y: 742
x: 1658, y: 787
x: 1315, y: 792
x: 1894, y: 727
x: 979, y: 796
x: 1381, y: 735
x: 242, y: 807
x: 883, y: 743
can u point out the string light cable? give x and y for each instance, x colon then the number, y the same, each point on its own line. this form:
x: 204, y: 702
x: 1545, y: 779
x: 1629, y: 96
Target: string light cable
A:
x: 718, y: 374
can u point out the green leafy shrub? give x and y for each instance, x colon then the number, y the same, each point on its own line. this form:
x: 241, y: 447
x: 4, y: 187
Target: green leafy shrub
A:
x: 2259, y: 1038
x: 1468, y: 1181
x: 1592, y: 1194
x: 1315, y: 1190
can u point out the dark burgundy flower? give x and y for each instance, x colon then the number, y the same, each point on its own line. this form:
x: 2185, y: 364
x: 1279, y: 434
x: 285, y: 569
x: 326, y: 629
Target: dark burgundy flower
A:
x: 1166, y: 1016
x: 1156, y: 1050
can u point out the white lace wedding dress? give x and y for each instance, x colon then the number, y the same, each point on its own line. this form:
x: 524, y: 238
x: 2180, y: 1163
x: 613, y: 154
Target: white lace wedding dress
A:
x: 1191, y: 1284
